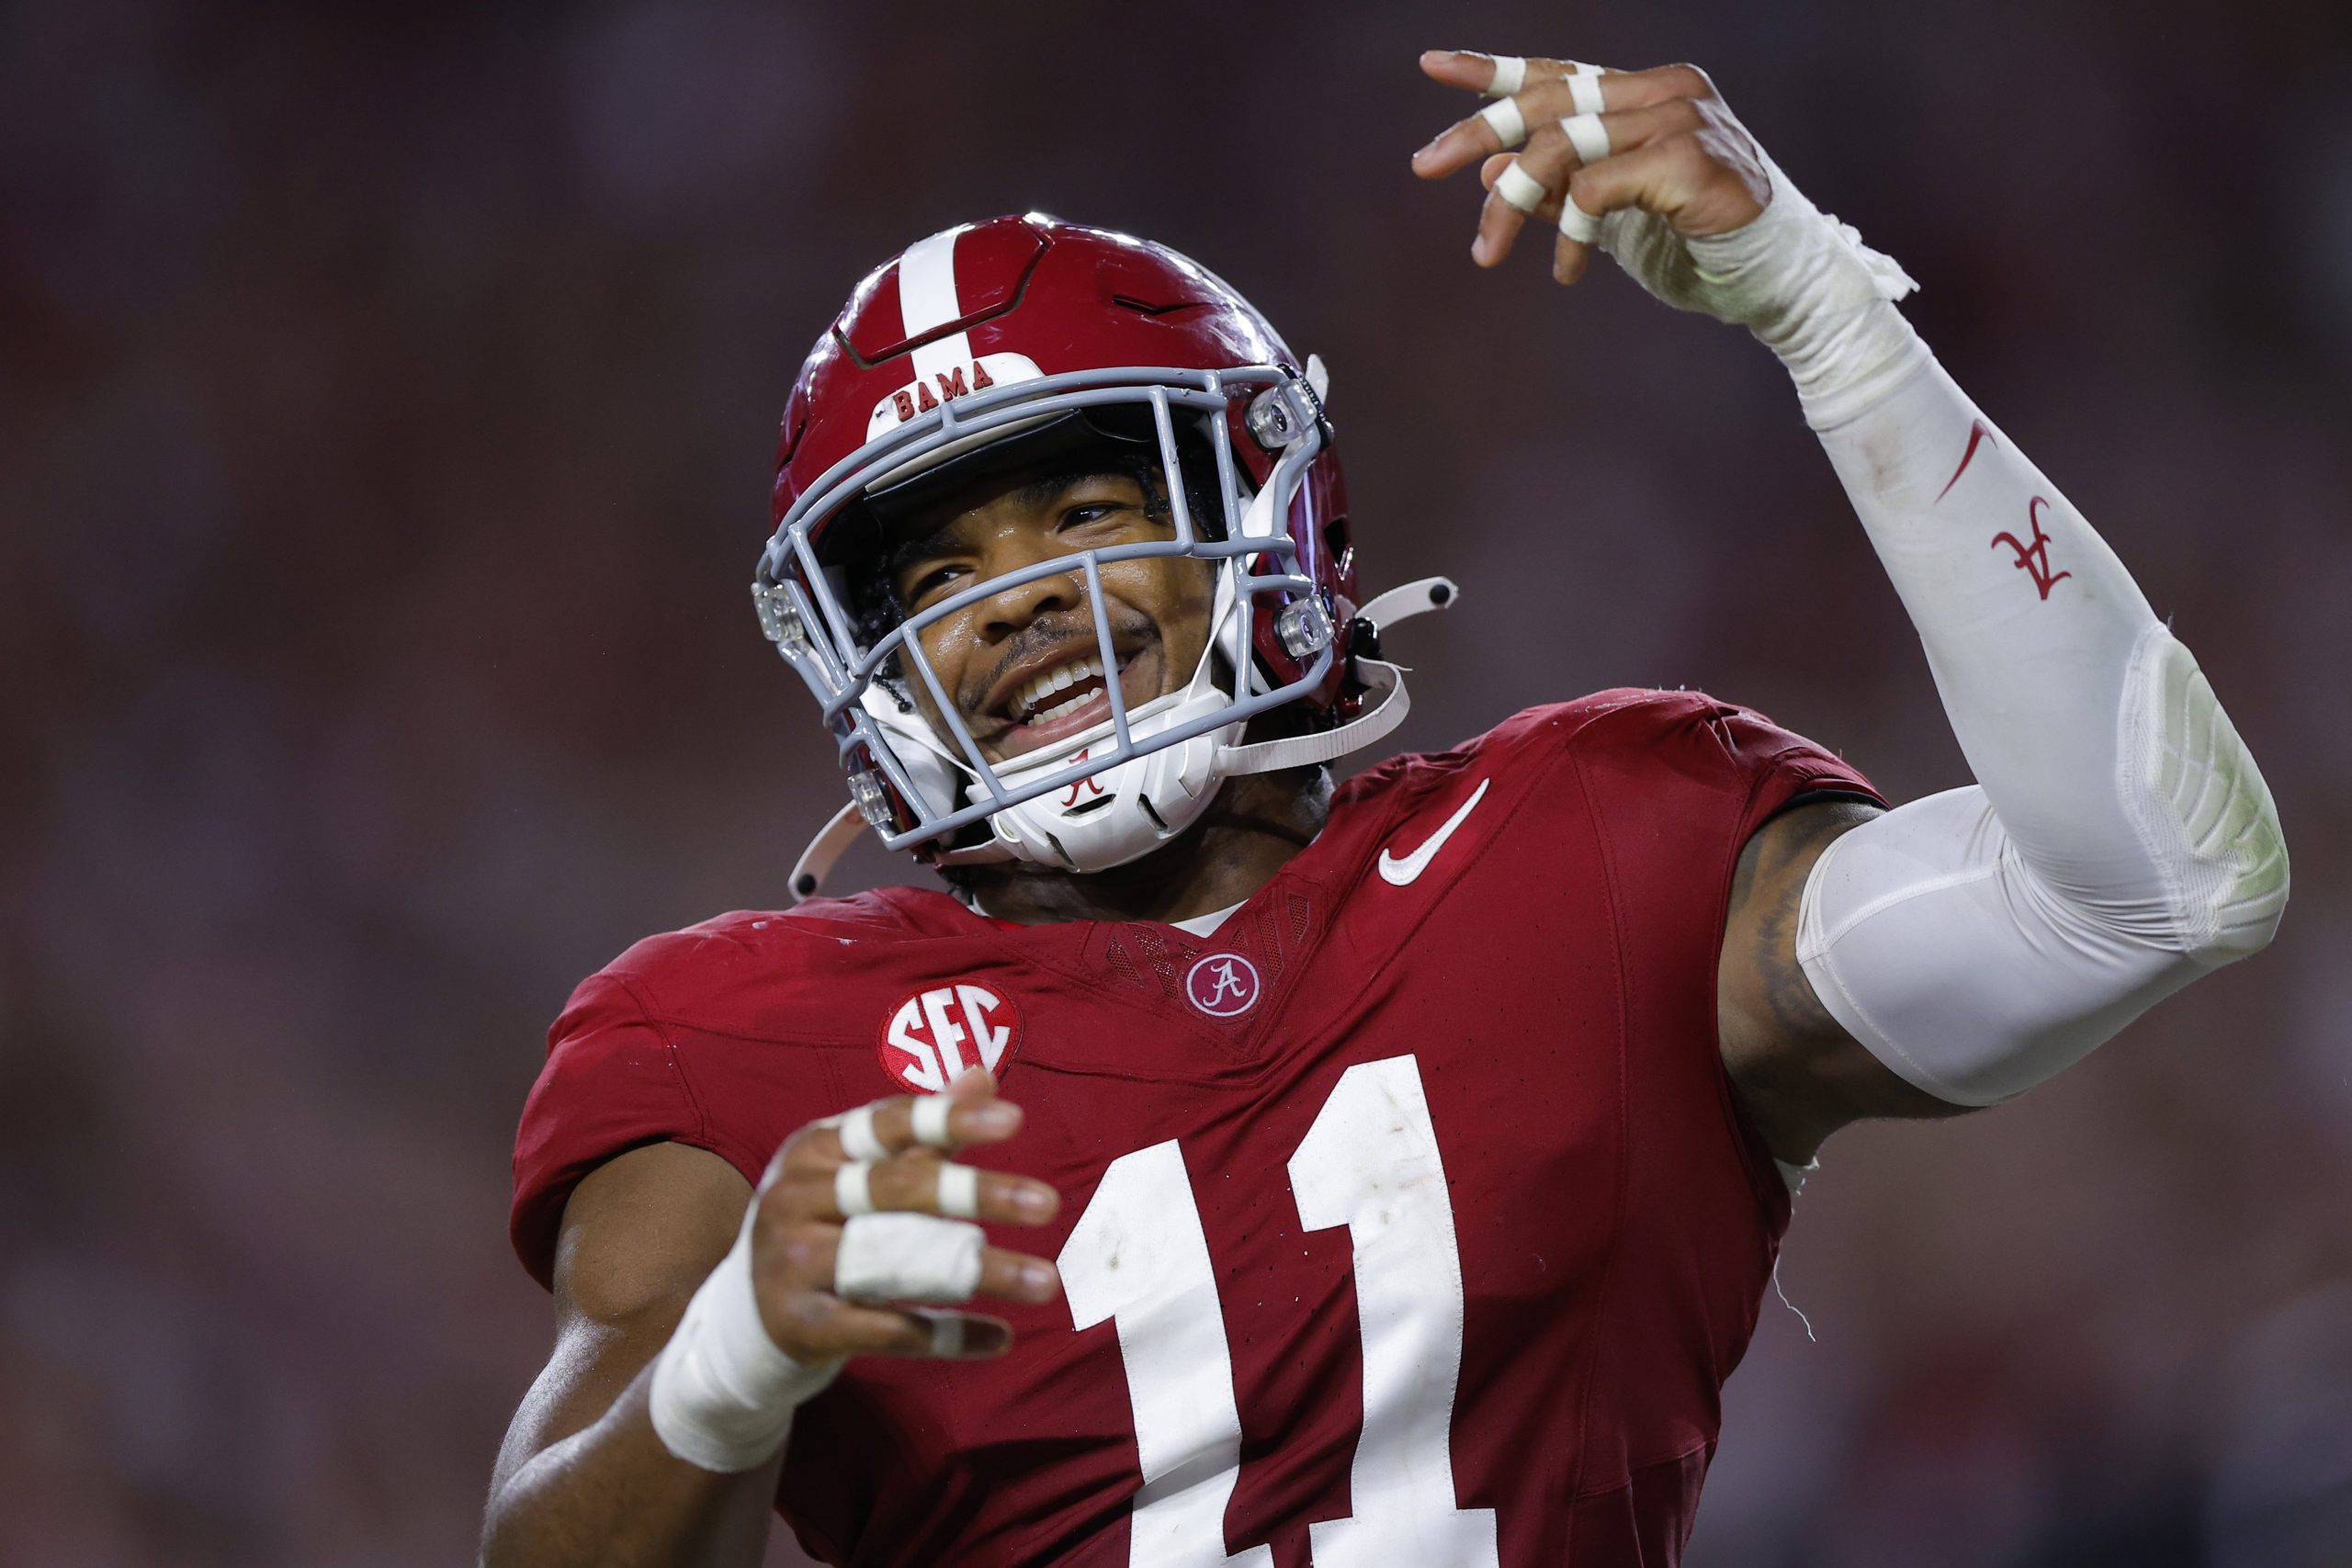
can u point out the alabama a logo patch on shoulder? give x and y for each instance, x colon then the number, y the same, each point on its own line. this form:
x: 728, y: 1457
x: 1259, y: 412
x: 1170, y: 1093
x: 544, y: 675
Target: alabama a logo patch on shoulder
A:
x: 1223, y: 984
x: 930, y: 1039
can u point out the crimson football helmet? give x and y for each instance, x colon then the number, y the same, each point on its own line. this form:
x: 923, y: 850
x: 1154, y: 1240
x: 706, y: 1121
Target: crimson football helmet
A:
x: 994, y: 345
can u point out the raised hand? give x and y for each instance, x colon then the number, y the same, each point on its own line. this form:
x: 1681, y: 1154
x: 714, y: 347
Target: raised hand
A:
x: 860, y: 1211
x: 1589, y: 143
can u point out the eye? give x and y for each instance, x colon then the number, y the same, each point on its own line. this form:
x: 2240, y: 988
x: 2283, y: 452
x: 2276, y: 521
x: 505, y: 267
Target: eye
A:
x: 928, y: 584
x: 1092, y: 512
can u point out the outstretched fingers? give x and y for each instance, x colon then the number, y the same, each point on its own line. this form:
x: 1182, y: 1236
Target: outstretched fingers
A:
x: 968, y: 1112
x: 817, y: 1253
x: 862, y: 1217
x: 1567, y: 143
x: 1492, y: 74
x: 830, y: 1328
x: 1553, y: 88
x: 920, y: 1182
x: 1552, y: 159
x: 1556, y: 89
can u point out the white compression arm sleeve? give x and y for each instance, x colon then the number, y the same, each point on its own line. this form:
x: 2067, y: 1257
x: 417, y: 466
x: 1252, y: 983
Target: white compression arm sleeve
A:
x: 2119, y: 840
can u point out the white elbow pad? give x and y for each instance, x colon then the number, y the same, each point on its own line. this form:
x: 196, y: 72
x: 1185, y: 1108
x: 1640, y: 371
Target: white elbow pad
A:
x: 2203, y: 806
x: 1936, y: 943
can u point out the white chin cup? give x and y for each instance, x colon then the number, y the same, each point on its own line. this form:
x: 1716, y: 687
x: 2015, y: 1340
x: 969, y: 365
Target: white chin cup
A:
x: 1516, y: 187
x: 1132, y: 808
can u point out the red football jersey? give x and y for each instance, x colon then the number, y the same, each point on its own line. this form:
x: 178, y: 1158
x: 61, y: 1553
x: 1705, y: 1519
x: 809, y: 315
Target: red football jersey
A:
x: 1408, y: 1218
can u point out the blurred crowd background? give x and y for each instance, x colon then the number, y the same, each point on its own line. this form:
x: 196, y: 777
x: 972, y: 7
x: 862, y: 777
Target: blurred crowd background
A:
x: 386, y: 400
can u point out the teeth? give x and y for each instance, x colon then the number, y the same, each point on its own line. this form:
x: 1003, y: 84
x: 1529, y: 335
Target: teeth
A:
x: 1044, y: 686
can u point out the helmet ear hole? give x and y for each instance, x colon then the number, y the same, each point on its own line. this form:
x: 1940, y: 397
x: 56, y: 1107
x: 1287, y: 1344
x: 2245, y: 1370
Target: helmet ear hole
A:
x: 1335, y: 548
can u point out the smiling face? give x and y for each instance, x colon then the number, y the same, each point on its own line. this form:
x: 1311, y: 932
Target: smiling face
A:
x: 1023, y: 665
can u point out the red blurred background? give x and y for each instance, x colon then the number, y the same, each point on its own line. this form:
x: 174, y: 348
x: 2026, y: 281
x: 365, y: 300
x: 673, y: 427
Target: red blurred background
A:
x: 386, y: 395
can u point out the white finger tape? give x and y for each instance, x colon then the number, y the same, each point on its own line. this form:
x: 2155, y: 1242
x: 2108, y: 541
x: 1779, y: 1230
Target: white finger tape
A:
x: 1511, y: 75
x: 959, y: 1191
x: 858, y: 1139
x: 908, y: 1257
x: 947, y: 1333
x: 1584, y: 93
x: 931, y: 1121
x: 853, y: 1191
x: 1587, y: 136
x: 1509, y: 124
x: 1520, y: 188
x: 1577, y: 224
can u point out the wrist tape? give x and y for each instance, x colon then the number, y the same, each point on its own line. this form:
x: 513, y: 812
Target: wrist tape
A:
x: 723, y: 1394
x: 1803, y: 282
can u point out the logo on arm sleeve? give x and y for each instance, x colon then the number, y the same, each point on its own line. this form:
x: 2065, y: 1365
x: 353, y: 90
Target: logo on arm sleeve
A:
x: 2034, y: 559
x: 933, y: 1036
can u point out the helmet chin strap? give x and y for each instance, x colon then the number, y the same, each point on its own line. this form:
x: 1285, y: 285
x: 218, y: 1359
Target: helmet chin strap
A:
x: 1385, y: 610
x: 825, y: 851
x: 1299, y: 751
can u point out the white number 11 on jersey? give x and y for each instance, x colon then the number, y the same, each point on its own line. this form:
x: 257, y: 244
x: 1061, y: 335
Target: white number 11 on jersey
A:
x: 1137, y: 1258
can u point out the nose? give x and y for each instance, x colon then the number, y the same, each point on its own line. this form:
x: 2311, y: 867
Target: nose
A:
x: 1008, y: 611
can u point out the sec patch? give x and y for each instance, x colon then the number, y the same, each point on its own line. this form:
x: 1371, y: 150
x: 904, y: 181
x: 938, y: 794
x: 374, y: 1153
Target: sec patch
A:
x: 932, y: 1037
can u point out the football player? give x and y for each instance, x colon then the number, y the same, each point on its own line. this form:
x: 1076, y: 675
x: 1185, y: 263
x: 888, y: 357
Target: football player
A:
x: 1230, y: 1169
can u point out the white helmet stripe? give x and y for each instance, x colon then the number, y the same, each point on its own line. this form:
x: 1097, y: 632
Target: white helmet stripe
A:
x: 927, y: 296
x: 949, y: 356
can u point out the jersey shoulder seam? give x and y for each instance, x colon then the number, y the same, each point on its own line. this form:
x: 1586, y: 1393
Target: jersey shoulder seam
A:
x: 631, y: 985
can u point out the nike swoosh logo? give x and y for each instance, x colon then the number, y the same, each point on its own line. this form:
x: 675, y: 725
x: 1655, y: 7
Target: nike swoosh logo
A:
x: 1398, y: 873
x: 1977, y: 430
